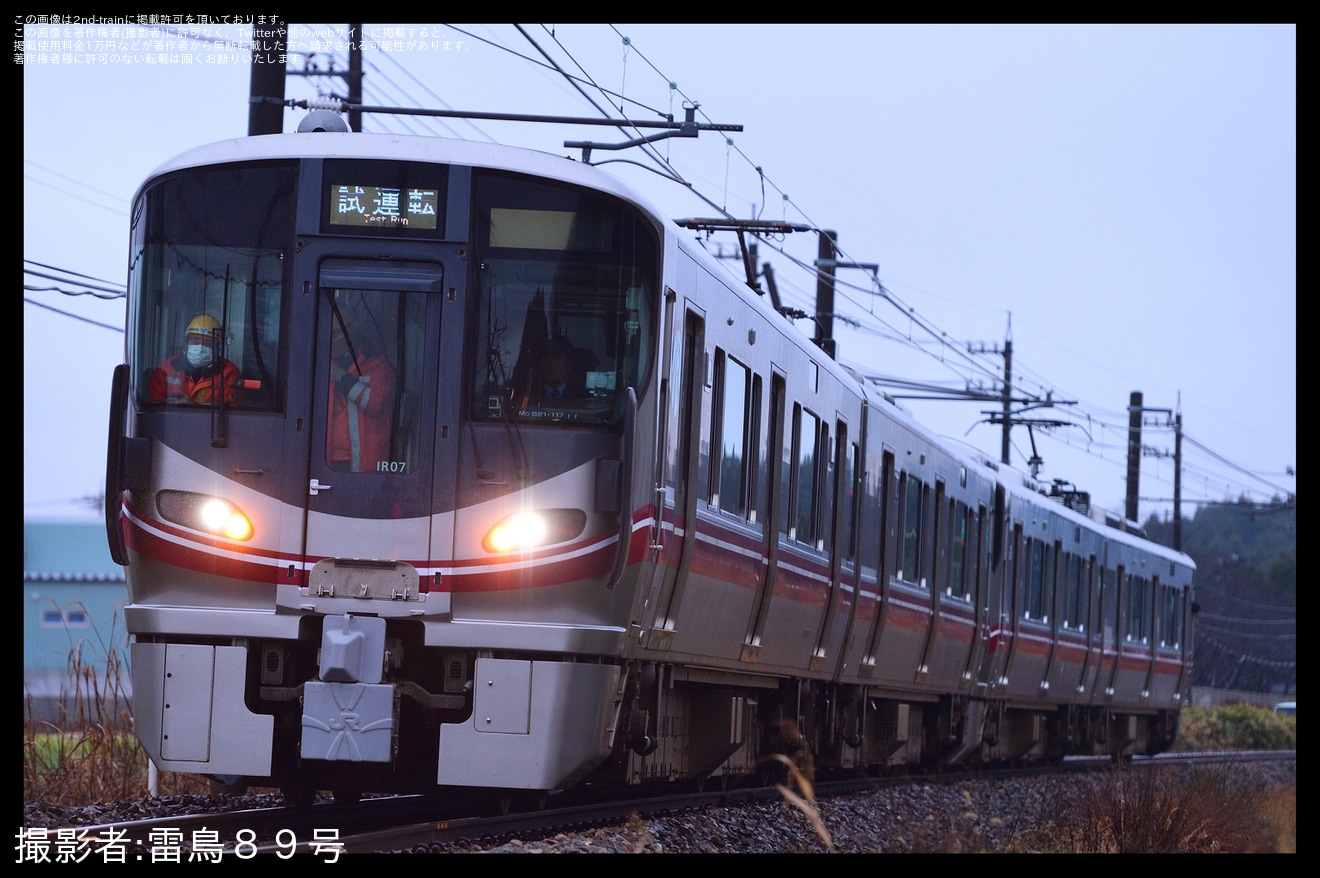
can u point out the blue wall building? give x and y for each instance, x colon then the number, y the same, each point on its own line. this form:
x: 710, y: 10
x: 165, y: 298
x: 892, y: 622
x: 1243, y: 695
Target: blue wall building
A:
x: 74, y: 642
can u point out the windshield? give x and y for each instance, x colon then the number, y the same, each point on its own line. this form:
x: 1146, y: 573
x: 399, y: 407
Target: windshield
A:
x: 206, y: 282
x: 563, y: 320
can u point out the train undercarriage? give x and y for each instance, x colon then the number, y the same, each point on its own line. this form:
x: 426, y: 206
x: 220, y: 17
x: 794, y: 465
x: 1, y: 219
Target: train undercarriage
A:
x: 426, y: 718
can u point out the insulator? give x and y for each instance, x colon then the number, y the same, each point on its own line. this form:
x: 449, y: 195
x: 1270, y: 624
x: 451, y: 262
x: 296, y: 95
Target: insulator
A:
x: 325, y: 104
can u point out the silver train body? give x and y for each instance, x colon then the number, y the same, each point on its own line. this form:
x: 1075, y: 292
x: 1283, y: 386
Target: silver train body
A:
x: 726, y: 547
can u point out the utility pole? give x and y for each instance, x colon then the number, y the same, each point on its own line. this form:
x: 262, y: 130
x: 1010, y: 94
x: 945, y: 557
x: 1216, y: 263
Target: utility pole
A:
x: 1134, y: 455
x: 354, y: 77
x: 1135, y: 412
x: 1008, y: 419
x: 266, y: 87
x: 825, y: 293
x: 1008, y: 399
x: 825, y: 267
x: 1177, y: 482
x: 1006, y: 395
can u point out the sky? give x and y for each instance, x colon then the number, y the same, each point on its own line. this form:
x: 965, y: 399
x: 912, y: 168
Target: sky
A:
x: 1118, y: 201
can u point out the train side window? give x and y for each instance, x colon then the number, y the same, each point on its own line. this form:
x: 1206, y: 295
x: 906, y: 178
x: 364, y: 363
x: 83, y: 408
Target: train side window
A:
x: 1171, y: 625
x: 1178, y: 611
x: 978, y: 557
x: 1090, y: 588
x: 851, y: 488
x: 1054, y: 579
x: 715, y: 486
x: 1014, y: 588
x: 912, y: 502
x: 1072, y: 590
x: 887, y: 516
x: 825, y: 468
x: 1035, y: 575
x: 987, y: 554
x: 730, y: 427
x: 805, y: 479
x: 755, y: 454
x: 958, y: 551
x: 1136, y: 609
x: 1108, y: 586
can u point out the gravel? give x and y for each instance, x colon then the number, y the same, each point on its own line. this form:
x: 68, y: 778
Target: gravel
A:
x: 966, y: 815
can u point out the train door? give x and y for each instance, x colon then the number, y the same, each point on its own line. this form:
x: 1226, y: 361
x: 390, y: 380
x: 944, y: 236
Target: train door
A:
x: 774, y: 466
x: 842, y: 549
x: 1112, y: 595
x: 1055, y: 565
x: 1089, y: 601
x: 884, y: 569
x: 1153, y: 631
x: 854, y: 560
x: 370, y: 476
x: 978, y: 563
x: 938, y: 568
x: 1004, y: 612
x: 676, y: 497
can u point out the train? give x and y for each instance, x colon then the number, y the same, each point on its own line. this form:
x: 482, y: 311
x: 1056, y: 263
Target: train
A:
x: 724, y: 547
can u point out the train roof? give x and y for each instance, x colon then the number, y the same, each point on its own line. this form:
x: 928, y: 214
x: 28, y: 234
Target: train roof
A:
x: 402, y: 147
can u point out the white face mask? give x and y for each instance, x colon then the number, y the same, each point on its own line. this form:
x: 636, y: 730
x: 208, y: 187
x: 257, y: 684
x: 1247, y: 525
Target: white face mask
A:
x: 199, y: 355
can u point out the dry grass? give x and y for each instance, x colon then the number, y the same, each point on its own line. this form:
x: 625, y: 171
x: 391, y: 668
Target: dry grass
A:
x: 804, y: 801
x: 1171, y: 810
x: 88, y: 752
x: 1279, y: 808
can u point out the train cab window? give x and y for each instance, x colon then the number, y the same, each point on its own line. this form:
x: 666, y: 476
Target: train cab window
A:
x: 206, y: 286
x: 560, y: 268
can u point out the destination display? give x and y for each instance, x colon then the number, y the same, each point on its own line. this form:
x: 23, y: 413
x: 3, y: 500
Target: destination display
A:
x: 362, y: 206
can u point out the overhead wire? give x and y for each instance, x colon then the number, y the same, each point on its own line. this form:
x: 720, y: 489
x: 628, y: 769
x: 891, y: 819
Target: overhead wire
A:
x: 976, y: 367
x: 976, y: 370
x: 623, y: 126
x: 1021, y: 369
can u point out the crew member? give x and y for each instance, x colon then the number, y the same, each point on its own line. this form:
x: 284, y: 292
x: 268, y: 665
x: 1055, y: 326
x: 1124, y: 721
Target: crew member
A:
x: 361, y: 396
x: 193, y: 375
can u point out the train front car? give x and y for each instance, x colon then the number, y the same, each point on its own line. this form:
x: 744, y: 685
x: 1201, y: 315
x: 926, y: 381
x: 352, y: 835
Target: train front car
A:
x: 369, y: 441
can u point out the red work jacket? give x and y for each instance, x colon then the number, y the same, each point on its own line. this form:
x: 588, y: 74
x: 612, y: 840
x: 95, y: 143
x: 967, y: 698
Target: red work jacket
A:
x: 175, y: 381
x: 361, y: 408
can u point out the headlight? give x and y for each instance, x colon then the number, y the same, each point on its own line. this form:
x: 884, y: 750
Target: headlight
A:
x: 528, y: 530
x: 205, y: 512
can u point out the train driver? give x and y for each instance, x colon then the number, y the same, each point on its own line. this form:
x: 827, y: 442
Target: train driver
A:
x: 193, y: 375
x: 554, y: 366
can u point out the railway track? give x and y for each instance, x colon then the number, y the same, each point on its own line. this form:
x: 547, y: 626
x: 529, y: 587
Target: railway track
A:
x: 434, y: 824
